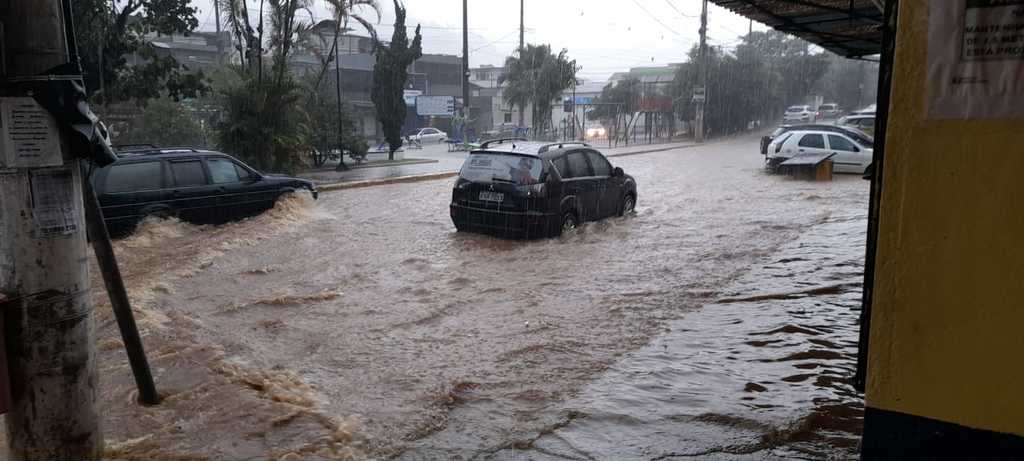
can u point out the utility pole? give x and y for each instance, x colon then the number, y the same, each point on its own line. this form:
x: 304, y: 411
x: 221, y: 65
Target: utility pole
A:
x: 465, y: 68
x: 698, y: 130
x: 220, y: 42
x: 522, y: 46
x: 43, y: 254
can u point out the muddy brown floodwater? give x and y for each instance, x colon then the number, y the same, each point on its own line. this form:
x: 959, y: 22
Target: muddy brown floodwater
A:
x: 719, y: 321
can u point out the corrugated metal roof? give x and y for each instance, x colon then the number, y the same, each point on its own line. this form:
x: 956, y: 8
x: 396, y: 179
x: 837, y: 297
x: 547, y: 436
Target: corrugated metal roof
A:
x: 851, y: 28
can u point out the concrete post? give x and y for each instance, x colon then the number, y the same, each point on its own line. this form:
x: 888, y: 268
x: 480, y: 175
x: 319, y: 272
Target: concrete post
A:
x: 43, y: 262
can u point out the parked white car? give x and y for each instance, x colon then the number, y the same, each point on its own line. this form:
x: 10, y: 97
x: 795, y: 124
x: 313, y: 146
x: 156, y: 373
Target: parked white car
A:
x: 848, y: 156
x: 798, y: 114
x: 429, y: 135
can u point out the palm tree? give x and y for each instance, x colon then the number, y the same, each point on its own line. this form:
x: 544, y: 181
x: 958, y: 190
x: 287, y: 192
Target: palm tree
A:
x: 536, y: 76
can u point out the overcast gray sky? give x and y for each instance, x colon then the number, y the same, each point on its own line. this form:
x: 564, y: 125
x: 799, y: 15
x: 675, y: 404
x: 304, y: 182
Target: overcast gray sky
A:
x: 603, y: 36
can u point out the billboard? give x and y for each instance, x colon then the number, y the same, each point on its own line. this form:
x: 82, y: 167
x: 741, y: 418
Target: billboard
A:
x: 443, y: 106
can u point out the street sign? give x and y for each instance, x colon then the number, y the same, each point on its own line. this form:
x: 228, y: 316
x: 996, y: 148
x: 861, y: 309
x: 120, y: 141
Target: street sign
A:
x: 410, y: 96
x: 699, y: 94
x: 443, y: 106
x: 580, y: 100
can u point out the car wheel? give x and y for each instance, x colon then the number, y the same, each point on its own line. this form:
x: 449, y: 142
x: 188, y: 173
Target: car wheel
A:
x: 628, y: 205
x: 569, y: 222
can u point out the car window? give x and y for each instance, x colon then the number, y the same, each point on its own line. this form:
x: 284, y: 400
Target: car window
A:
x: 222, y: 171
x: 840, y: 143
x: 782, y: 140
x: 562, y: 165
x: 487, y: 167
x: 243, y: 174
x: 578, y: 166
x: 132, y: 177
x: 600, y: 164
x: 814, y: 141
x: 188, y: 173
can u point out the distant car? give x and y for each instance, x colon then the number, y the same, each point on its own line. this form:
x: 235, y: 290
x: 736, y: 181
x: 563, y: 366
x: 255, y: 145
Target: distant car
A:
x: 198, y: 186
x: 798, y: 114
x: 865, y: 123
x: 861, y: 137
x: 829, y: 112
x: 869, y: 110
x: 848, y: 155
x: 517, y: 188
x: 429, y: 135
x: 596, y: 131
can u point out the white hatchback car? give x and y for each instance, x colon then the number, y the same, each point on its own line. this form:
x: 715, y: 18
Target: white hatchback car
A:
x: 799, y: 114
x: 848, y: 156
x: 429, y: 135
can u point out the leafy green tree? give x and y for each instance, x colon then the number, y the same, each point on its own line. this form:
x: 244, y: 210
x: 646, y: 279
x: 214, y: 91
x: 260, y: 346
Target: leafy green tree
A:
x: 109, y: 32
x: 390, y: 73
x: 165, y: 122
x: 321, y: 39
x: 537, y: 77
x: 766, y: 72
x: 264, y: 122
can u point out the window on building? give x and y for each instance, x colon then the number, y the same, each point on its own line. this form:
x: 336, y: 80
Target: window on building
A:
x: 508, y: 117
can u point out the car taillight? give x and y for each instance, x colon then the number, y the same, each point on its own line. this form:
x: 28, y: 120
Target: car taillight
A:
x: 778, y: 147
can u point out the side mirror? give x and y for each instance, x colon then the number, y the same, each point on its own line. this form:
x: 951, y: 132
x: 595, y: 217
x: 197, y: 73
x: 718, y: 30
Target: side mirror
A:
x: 618, y: 173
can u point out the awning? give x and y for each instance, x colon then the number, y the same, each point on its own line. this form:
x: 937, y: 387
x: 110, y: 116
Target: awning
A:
x: 850, y: 28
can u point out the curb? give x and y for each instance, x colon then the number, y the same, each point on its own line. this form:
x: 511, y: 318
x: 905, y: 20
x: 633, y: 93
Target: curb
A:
x: 651, y: 151
x: 381, y: 182
x: 450, y: 174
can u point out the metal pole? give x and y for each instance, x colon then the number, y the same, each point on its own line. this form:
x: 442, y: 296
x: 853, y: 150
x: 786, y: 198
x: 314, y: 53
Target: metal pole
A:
x: 698, y: 130
x: 337, y: 89
x: 44, y: 266
x: 107, y: 262
x: 465, y: 68
x: 220, y: 43
x: 522, y: 47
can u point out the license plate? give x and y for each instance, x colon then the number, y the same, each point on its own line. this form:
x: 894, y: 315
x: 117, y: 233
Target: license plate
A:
x: 489, y: 196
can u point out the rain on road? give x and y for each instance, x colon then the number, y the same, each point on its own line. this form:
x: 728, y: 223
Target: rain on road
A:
x: 719, y: 320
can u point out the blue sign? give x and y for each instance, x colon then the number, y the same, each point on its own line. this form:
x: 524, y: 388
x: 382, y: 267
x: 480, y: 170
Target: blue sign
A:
x: 584, y: 100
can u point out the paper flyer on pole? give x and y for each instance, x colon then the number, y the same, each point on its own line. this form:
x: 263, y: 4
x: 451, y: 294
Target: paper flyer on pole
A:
x: 976, y: 59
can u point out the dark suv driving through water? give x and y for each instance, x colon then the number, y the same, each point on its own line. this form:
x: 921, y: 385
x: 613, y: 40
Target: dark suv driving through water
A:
x: 198, y: 186
x: 516, y: 188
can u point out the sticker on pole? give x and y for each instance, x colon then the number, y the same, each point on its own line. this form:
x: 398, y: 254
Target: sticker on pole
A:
x: 976, y: 59
x: 30, y: 135
x: 53, y: 206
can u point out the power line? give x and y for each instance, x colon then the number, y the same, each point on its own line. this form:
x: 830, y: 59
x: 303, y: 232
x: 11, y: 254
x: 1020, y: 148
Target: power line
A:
x: 689, y: 16
x: 655, y: 18
x: 492, y: 42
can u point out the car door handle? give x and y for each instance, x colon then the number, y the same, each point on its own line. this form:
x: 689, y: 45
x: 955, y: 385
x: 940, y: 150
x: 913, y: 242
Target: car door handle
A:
x: 801, y: 150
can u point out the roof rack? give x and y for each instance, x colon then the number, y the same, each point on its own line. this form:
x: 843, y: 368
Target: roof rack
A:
x: 487, y: 144
x: 140, y: 146
x: 157, y: 150
x: 548, y: 147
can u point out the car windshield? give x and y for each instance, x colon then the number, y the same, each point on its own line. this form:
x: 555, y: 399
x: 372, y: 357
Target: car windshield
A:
x: 795, y: 109
x: 489, y: 167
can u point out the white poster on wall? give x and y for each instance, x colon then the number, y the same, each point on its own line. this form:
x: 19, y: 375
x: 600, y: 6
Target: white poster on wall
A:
x: 976, y: 59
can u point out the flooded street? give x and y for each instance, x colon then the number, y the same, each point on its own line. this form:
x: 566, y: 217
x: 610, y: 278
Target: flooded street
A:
x: 720, y: 321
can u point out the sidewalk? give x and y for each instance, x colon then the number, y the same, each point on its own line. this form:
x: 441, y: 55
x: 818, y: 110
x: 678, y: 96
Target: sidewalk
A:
x: 435, y: 162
